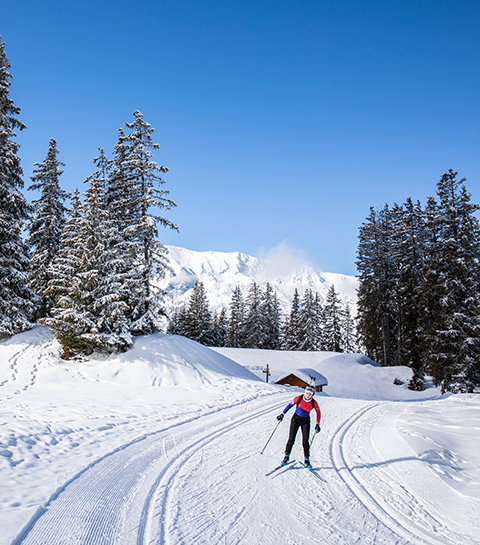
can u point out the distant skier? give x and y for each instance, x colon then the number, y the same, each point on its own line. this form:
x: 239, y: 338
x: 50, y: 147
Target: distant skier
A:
x: 301, y: 419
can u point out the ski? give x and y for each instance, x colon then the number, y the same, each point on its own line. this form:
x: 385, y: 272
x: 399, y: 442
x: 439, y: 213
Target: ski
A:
x: 279, y: 467
x: 315, y: 472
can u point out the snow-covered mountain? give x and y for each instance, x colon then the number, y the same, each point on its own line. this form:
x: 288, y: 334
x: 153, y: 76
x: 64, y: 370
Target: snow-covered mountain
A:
x: 221, y: 272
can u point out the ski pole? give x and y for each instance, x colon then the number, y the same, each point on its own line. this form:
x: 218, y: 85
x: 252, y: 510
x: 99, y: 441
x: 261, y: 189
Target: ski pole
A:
x: 263, y: 450
x: 314, y: 435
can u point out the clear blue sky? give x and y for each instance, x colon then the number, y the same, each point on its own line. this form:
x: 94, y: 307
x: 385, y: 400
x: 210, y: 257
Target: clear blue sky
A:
x: 280, y: 121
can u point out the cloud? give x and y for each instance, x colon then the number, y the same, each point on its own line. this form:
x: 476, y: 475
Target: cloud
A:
x: 283, y: 259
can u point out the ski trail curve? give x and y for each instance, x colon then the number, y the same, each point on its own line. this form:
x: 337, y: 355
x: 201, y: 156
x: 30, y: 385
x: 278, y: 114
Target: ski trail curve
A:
x: 110, y: 502
x: 368, y: 475
x: 156, y: 515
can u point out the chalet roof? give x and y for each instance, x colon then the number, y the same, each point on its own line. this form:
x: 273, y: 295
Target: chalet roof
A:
x: 308, y: 375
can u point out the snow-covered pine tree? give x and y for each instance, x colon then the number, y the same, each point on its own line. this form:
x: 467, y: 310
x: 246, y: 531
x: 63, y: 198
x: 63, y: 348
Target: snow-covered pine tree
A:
x: 321, y: 322
x: 18, y: 303
x: 310, y: 322
x: 89, y: 314
x: 63, y: 285
x: 65, y: 264
x: 46, y: 223
x: 333, y: 321
x: 270, y: 312
x: 177, y: 324
x: 376, y: 292
x: 131, y: 195
x: 199, y: 318
x: 235, y: 329
x: 219, y: 326
x: 451, y: 296
x: 408, y: 225
x: 254, y: 320
x: 102, y: 173
x: 349, y: 336
x: 292, y: 332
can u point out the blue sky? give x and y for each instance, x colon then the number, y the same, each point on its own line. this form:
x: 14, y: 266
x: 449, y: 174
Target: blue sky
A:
x: 282, y: 122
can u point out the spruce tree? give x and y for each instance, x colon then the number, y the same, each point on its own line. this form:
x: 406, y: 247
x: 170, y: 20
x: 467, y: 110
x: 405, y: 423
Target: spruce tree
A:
x: 270, y: 313
x: 219, y: 326
x: 67, y: 321
x: 408, y: 251
x: 102, y: 175
x: 293, y: 335
x: 177, y: 324
x: 320, y: 310
x: 349, y: 338
x: 63, y: 268
x: 235, y: 329
x: 89, y: 314
x: 333, y: 321
x: 46, y: 224
x: 450, y: 301
x: 254, y: 334
x: 377, y: 312
x: 131, y: 195
x: 18, y: 303
x: 199, y: 318
x: 310, y: 322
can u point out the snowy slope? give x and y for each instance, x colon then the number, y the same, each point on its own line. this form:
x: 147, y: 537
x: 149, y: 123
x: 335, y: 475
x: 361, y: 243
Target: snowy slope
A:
x: 221, y: 272
x: 162, y: 445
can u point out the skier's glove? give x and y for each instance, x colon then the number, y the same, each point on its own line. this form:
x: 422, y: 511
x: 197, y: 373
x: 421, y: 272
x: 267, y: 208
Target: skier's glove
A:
x: 317, y: 428
x: 280, y: 417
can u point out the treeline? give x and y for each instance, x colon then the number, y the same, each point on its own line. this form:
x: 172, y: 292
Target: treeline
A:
x: 419, y: 293
x: 256, y: 321
x: 85, y: 272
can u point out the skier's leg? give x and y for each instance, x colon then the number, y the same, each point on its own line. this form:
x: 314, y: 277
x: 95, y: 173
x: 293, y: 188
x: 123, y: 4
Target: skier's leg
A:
x: 291, y: 438
x: 306, y: 439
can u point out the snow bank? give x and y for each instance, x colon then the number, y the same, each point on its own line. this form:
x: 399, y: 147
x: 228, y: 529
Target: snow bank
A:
x: 168, y: 360
x: 348, y: 375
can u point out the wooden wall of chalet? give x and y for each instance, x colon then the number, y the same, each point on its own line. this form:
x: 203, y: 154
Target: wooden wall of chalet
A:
x: 293, y: 380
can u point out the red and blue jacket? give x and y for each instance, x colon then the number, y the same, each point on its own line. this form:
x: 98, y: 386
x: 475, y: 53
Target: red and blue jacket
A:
x: 304, y: 407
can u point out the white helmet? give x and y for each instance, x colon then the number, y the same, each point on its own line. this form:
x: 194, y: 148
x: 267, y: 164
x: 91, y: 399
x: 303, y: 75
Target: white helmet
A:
x: 310, y: 390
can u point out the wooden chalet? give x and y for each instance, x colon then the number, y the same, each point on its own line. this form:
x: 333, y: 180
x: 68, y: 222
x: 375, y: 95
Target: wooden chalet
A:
x: 302, y: 378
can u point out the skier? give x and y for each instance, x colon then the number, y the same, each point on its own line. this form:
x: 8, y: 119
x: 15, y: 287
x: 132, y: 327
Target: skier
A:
x: 301, y: 419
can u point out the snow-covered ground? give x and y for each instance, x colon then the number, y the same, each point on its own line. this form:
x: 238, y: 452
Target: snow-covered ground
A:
x: 162, y: 445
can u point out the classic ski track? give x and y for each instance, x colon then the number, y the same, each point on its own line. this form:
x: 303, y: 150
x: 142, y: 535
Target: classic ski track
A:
x: 375, y: 504
x: 150, y: 483
x: 161, y: 502
x: 91, y: 508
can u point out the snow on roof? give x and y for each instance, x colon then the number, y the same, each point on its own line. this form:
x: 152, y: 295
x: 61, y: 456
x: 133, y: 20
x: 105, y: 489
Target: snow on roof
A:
x: 308, y: 375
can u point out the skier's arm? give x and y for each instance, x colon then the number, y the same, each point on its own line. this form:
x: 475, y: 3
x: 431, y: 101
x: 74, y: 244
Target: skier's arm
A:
x: 319, y: 414
x: 287, y: 408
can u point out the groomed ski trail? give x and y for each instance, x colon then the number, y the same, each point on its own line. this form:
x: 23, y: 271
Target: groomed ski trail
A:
x: 203, y: 481
x: 109, y: 501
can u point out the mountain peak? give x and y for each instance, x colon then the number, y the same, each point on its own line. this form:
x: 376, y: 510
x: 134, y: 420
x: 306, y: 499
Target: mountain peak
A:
x: 221, y: 272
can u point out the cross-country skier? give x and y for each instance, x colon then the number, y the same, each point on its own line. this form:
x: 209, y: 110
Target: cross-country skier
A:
x: 301, y: 419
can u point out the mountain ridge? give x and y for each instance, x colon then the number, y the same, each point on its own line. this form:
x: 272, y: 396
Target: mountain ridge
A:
x: 221, y: 272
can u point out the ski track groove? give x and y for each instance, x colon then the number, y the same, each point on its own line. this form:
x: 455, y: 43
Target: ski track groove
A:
x: 91, y: 512
x: 366, y: 494
x: 165, y: 480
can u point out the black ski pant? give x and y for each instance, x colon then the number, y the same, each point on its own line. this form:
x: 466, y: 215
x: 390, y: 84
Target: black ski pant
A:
x: 295, y: 423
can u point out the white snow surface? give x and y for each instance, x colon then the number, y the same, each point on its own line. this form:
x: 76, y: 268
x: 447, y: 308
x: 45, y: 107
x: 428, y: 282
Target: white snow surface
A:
x: 221, y: 272
x: 162, y: 445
